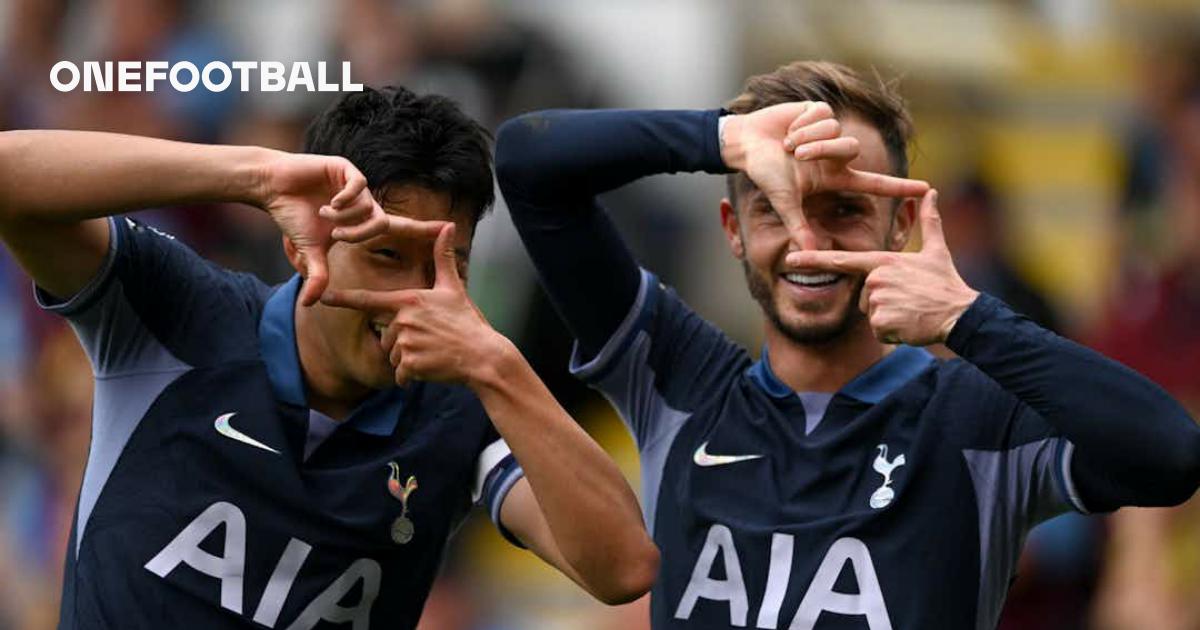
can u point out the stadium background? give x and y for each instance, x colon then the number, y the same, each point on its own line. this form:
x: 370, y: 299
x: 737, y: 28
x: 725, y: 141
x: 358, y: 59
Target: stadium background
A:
x: 1063, y: 134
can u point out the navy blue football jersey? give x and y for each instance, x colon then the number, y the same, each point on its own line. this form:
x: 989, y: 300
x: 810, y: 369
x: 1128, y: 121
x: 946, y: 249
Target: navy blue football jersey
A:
x: 213, y: 497
x: 900, y: 501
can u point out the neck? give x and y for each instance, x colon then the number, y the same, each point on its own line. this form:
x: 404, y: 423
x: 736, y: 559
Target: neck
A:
x: 825, y: 367
x: 328, y: 392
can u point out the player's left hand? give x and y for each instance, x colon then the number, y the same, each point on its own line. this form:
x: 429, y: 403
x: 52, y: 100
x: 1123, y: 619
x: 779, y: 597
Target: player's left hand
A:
x: 316, y: 199
x: 793, y: 150
x: 912, y: 298
x: 436, y: 334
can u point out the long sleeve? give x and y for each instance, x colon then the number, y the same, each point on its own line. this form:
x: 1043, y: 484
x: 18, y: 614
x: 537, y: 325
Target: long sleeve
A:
x: 552, y: 164
x: 1134, y: 444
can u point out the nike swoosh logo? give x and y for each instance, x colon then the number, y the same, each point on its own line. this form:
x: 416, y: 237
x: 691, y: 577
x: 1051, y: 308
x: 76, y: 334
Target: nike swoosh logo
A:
x: 702, y: 458
x: 222, y: 426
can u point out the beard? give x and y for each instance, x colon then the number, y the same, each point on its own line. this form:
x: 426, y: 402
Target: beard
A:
x: 811, y: 334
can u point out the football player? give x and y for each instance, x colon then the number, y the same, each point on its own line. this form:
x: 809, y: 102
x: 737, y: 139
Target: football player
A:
x: 846, y: 478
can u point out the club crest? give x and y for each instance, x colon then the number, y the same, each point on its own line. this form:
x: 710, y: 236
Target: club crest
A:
x: 402, y: 527
x: 884, y: 495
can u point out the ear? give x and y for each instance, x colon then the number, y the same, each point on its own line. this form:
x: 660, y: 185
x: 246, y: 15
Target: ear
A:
x: 732, y: 228
x: 903, y: 221
x: 295, y: 258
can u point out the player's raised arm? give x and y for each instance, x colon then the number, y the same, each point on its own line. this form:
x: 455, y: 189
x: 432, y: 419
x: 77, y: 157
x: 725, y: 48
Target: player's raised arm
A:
x: 552, y: 164
x: 54, y: 184
x: 574, y: 509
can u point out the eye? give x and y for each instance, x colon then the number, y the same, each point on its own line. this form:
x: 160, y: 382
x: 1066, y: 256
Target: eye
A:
x: 386, y: 253
x: 846, y: 211
x: 766, y: 213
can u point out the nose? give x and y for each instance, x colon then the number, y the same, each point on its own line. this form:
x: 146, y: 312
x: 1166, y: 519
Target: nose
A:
x: 804, y: 236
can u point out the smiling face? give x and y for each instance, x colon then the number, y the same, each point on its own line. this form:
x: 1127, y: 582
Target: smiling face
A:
x: 811, y: 306
x: 348, y: 341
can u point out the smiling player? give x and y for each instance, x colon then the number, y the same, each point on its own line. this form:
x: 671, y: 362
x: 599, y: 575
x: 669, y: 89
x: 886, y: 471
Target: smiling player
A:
x: 253, y: 463
x: 838, y: 481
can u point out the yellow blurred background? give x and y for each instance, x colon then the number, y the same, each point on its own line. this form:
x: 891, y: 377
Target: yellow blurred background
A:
x: 1064, y: 136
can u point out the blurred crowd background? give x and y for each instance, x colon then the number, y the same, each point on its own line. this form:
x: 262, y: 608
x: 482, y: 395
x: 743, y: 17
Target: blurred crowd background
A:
x: 1064, y: 136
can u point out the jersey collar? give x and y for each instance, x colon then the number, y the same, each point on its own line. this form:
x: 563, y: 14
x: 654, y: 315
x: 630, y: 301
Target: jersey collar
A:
x: 872, y: 386
x: 377, y: 415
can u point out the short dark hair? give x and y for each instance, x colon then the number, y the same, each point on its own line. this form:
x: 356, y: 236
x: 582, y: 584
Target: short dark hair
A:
x: 396, y: 137
x: 878, y: 103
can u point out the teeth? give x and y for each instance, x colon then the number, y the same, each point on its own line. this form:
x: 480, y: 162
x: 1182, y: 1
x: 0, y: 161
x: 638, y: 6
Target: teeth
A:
x: 812, y: 279
x: 378, y: 328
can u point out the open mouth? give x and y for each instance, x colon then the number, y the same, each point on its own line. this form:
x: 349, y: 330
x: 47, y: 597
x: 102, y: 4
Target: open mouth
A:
x: 812, y: 280
x: 377, y: 329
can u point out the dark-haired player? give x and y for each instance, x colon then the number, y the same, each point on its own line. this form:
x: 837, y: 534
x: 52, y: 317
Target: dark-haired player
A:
x: 253, y: 461
x: 839, y: 481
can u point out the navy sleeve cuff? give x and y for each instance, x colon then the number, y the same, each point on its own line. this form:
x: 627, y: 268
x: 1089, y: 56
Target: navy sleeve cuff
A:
x: 981, y: 310
x: 713, y: 163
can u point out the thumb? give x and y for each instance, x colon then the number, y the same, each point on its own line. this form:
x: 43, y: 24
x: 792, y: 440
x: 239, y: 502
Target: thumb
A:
x: 316, y: 276
x: 932, y: 236
x: 445, y: 259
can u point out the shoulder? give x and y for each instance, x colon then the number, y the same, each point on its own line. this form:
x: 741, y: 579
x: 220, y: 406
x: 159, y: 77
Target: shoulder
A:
x: 663, y: 350
x: 196, y: 308
x: 152, y: 262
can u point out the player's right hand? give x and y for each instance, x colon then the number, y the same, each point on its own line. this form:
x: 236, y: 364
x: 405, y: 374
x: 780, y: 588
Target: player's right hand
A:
x: 315, y: 199
x: 436, y: 333
x: 914, y: 298
x: 793, y: 150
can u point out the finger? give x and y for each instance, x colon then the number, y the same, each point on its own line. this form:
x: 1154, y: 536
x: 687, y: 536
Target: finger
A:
x: 886, y: 326
x: 345, y: 216
x: 364, y: 299
x: 316, y: 277
x: 375, y: 225
x: 864, y: 299
x: 839, y: 149
x: 813, y: 111
x: 884, y: 185
x: 396, y: 354
x: 364, y: 200
x: 401, y: 375
x: 825, y: 129
x: 355, y: 185
x: 798, y: 122
x: 932, y: 236
x: 412, y: 228
x: 387, y: 340
x: 839, y: 261
x: 445, y: 259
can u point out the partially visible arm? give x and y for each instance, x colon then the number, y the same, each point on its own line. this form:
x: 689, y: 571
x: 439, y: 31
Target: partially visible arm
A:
x: 573, y: 509
x: 76, y: 175
x: 552, y: 164
x: 55, y: 184
x: 1134, y: 444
